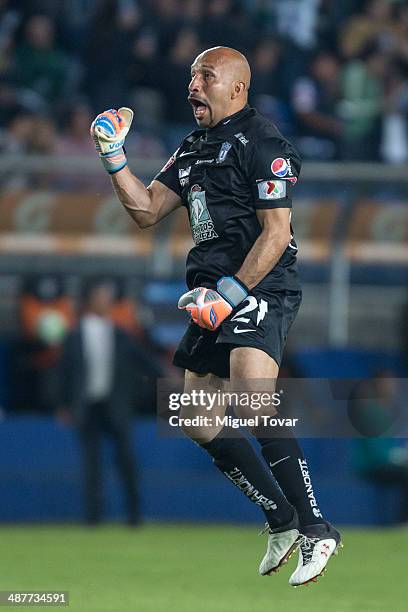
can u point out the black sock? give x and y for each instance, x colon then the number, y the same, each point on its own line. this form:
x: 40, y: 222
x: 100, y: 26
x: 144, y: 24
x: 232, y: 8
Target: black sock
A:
x: 238, y: 461
x: 287, y: 463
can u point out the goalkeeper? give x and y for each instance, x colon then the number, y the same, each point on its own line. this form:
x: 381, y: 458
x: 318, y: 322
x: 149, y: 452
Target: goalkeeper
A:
x: 235, y: 176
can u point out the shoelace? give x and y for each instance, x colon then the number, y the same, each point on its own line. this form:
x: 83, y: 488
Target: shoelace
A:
x: 307, y: 546
x: 264, y: 530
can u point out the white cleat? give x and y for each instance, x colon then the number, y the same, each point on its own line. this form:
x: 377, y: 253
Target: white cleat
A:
x: 281, y: 546
x: 315, y: 551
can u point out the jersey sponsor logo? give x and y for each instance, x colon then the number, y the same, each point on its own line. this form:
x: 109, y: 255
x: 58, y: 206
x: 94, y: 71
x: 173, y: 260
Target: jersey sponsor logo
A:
x: 283, y: 169
x: 204, y: 161
x: 184, y: 175
x: 225, y: 147
x: 280, y: 167
x: 240, y: 480
x: 271, y: 190
x: 202, y: 226
x: 308, y: 486
x: 242, y: 138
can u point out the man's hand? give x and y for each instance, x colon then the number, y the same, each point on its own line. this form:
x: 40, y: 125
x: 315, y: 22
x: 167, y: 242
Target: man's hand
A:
x: 208, y: 308
x: 108, y: 132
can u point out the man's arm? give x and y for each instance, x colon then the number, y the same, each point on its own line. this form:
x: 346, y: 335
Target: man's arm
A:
x: 209, y: 308
x: 146, y: 205
x: 273, y: 169
x: 269, y: 246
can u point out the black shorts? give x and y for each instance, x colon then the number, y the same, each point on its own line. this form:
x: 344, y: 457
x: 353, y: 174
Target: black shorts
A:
x: 261, y: 321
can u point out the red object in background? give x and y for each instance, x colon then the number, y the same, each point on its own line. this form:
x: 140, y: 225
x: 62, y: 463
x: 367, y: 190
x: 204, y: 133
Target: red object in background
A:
x: 32, y: 310
x: 124, y: 315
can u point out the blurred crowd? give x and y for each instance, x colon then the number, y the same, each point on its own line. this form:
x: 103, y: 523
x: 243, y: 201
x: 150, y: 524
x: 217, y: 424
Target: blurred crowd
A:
x: 332, y: 75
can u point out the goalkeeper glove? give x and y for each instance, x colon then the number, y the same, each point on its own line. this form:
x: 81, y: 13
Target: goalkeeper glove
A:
x: 207, y: 307
x: 108, y: 132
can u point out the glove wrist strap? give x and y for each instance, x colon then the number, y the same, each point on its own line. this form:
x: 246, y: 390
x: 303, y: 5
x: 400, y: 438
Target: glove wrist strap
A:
x: 232, y: 290
x: 115, y: 161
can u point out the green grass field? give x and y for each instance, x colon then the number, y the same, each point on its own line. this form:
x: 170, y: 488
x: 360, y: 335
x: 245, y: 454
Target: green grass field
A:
x: 197, y: 569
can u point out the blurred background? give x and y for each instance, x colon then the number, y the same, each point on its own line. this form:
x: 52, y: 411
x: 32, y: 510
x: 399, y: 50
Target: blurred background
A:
x: 334, y: 77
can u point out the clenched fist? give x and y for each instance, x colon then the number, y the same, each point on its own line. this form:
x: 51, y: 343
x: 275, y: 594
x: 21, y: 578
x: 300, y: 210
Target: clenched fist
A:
x: 108, y: 131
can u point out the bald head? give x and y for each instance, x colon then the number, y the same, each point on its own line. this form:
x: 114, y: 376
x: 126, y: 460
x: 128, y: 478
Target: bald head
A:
x: 220, y: 79
x: 231, y: 61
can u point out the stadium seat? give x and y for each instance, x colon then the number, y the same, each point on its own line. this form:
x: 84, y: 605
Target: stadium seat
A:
x: 378, y: 232
x: 314, y: 221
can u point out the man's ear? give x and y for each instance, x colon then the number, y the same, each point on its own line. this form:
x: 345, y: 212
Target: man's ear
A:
x: 237, y: 88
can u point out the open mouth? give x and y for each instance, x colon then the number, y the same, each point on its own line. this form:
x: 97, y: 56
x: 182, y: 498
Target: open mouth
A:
x: 199, y: 107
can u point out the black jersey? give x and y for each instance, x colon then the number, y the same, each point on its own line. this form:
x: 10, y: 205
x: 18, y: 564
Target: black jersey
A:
x: 224, y: 175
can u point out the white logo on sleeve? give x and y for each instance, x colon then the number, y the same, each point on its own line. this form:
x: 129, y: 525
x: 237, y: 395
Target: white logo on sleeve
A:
x: 185, y: 153
x: 271, y: 190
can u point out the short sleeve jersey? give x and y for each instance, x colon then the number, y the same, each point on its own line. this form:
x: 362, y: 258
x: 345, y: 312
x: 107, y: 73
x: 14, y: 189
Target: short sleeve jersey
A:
x: 223, y: 175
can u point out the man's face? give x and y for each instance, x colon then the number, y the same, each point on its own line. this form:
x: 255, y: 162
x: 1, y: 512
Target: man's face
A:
x: 101, y: 300
x: 210, y: 91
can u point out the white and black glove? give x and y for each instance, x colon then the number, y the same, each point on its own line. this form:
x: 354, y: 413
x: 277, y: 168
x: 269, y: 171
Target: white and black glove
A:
x: 108, y: 131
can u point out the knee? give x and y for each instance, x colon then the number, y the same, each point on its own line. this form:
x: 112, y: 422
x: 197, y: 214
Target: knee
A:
x: 198, y: 430
x: 200, y: 425
x: 199, y: 435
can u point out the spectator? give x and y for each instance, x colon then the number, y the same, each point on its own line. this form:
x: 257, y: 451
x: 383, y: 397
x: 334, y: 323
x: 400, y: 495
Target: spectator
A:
x: 362, y: 98
x: 403, y: 335
x: 10, y: 19
x: 39, y: 65
x: 223, y: 26
x: 297, y: 20
x: 106, y: 56
x: 374, y: 27
x: 315, y: 100
x: 193, y: 13
x: 144, y: 86
x: 402, y: 33
x: 43, y: 137
x: 167, y: 19
x: 175, y: 79
x: 75, y: 139
x: 16, y: 138
x: 9, y: 106
x: 100, y: 367
x: 46, y: 313
x: 269, y: 83
x: 394, y: 145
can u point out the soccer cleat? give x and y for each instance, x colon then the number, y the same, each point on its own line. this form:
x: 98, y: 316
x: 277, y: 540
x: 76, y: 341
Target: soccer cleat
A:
x: 316, y: 547
x: 281, y: 546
